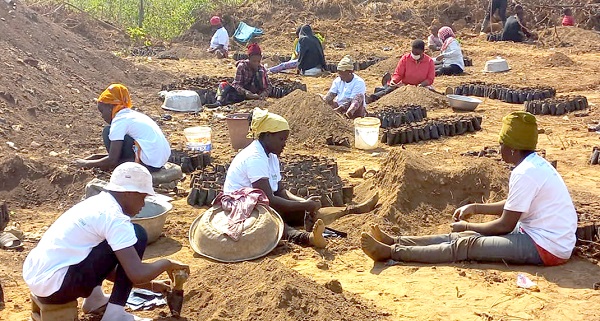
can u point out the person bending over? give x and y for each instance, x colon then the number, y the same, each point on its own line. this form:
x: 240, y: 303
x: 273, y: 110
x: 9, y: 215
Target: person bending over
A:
x: 536, y: 224
x: 96, y: 241
x: 347, y: 93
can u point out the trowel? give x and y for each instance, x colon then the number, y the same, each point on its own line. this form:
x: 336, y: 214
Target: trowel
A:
x: 175, y: 296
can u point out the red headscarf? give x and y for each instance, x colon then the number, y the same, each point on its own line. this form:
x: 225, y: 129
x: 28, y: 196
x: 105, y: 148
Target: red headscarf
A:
x: 254, y: 49
x: 446, y: 35
x: 215, y: 21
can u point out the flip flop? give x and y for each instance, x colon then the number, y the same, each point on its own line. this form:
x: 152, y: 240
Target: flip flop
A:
x: 10, y: 242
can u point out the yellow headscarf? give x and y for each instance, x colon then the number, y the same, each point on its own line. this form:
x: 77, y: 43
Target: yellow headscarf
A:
x: 519, y: 131
x: 346, y: 64
x: 117, y: 95
x: 265, y: 122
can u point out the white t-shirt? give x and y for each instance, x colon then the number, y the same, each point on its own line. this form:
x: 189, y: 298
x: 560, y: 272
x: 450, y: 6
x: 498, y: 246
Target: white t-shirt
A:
x: 70, y: 239
x: 154, y: 145
x: 346, y: 91
x: 221, y: 37
x: 453, y: 55
x: 536, y: 189
x: 251, y: 165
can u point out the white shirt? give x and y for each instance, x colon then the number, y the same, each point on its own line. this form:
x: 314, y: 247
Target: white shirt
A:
x: 251, y: 165
x: 537, y: 190
x: 346, y: 91
x: 220, y: 37
x: 70, y: 239
x: 453, y: 55
x: 152, y: 141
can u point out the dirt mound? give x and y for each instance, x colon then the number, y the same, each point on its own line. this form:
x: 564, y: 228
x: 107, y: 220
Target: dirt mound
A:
x: 577, y: 39
x: 311, y: 121
x: 410, y: 95
x: 387, y: 65
x: 414, y: 190
x: 557, y: 59
x: 27, y: 183
x: 267, y: 290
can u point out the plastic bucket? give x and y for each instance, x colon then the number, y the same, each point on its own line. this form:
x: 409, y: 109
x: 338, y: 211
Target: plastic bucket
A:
x: 198, y: 138
x: 238, y: 127
x: 366, y: 132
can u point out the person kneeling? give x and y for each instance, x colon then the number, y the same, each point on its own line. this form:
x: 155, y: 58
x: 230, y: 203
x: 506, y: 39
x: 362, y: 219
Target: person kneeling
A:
x: 537, y: 221
x: 95, y: 240
x: 347, y: 93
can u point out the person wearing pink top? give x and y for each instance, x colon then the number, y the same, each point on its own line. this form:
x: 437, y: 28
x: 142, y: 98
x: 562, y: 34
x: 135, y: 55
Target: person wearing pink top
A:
x: 568, y: 19
x: 414, y: 68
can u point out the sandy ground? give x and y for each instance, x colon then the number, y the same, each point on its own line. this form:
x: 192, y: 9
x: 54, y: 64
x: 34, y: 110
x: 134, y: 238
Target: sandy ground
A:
x: 464, y: 291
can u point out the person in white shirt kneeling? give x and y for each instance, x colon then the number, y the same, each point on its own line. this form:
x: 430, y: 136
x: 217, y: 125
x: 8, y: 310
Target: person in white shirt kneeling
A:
x: 95, y: 240
x: 219, y: 43
x: 347, y: 93
x: 536, y: 225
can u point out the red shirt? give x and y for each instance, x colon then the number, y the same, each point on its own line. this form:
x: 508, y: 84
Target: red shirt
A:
x: 412, y: 72
x: 568, y: 21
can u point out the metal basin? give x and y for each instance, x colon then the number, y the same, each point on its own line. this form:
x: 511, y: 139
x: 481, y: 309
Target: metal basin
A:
x: 152, y: 218
x: 463, y: 103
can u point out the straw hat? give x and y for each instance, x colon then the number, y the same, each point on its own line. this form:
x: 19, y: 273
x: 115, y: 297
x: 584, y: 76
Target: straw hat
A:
x: 261, y: 233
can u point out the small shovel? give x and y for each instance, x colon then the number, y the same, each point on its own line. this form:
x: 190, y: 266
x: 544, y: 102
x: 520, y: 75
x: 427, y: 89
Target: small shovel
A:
x: 175, y: 296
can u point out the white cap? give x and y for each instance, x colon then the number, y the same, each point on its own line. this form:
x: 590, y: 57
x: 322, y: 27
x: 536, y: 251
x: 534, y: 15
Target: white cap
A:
x: 130, y: 177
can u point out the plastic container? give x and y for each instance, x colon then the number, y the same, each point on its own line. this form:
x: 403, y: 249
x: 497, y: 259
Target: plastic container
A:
x: 366, y: 132
x: 198, y: 138
x: 182, y: 101
x: 238, y: 127
x: 152, y: 218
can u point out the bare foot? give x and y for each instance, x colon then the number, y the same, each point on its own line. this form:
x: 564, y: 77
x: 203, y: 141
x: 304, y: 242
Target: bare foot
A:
x: 374, y: 249
x: 381, y: 236
x: 316, y: 237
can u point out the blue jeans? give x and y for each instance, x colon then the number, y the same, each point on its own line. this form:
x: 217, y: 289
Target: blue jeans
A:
x: 514, y: 248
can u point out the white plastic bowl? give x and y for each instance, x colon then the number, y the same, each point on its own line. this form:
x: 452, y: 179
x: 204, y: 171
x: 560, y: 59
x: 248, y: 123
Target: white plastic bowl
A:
x: 182, y: 101
x: 463, y: 103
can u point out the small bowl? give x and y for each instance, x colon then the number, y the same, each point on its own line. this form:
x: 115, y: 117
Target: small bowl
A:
x: 463, y: 103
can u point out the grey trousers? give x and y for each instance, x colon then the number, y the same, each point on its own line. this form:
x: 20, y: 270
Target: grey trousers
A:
x: 514, y: 248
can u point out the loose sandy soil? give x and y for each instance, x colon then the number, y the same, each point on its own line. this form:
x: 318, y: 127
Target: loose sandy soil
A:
x: 39, y: 187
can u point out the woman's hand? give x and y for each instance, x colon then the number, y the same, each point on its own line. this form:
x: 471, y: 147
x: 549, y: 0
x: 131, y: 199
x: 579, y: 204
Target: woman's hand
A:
x: 464, y: 212
x: 160, y: 286
x: 313, y: 203
x: 439, y: 58
x: 459, y: 226
x: 175, y: 266
x: 81, y: 163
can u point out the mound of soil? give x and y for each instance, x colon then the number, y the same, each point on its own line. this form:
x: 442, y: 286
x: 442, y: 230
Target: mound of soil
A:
x: 579, y: 40
x: 267, y: 290
x: 311, y: 121
x: 558, y: 59
x: 387, y: 65
x: 410, y: 95
x: 414, y: 190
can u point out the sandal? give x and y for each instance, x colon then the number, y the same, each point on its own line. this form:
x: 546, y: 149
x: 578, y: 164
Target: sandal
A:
x: 10, y: 242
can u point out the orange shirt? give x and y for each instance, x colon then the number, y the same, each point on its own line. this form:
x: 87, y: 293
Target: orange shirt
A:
x: 412, y: 72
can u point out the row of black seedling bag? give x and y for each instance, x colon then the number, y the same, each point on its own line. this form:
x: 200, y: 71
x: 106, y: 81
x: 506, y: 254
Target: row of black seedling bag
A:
x: 189, y: 161
x: 393, y: 117
x: 504, y: 93
x: 432, y: 129
x: 559, y: 106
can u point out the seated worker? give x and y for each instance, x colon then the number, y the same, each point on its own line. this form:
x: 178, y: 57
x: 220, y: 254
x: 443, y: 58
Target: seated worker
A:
x: 450, y: 61
x: 514, y: 29
x: 257, y: 166
x: 568, y: 19
x: 536, y: 224
x: 293, y: 62
x: 251, y: 81
x: 219, y: 43
x: 311, y: 59
x: 433, y: 41
x: 129, y: 136
x: 414, y: 68
x: 495, y: 6
x: 347, y: 93
x: 95, y: 240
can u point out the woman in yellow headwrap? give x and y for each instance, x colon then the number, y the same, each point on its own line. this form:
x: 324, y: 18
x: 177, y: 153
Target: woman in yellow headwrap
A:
x: 129, y: 136
x: 257, y: 166
x: 536, y: 224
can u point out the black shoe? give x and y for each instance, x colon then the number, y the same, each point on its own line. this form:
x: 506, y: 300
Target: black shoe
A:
x: 213, y: 105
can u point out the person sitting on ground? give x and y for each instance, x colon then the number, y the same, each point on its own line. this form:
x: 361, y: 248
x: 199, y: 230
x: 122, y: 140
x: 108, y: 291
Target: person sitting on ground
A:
x: 347, y: 93
x: 257, y: 166
x: 514, y: 29
x: 434, y: 42
x: 293, y: 62
x: 95, y: 240
x: 536, y: 224
x: 450, y: 61
x: 251, y: 80
x: 495, y: 6
x: 219, y: 43
x: 414, y: 68
x: 568, y: 19
x: 129, y: 136
x: 311, y: 59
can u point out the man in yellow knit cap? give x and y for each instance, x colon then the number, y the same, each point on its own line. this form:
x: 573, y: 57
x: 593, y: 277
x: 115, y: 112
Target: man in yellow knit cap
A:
x: 129, y: 136
x: 536, y: 224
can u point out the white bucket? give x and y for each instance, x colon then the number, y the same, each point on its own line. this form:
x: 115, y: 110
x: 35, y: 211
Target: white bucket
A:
x: 198, y: 138
x: 366, y: 132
